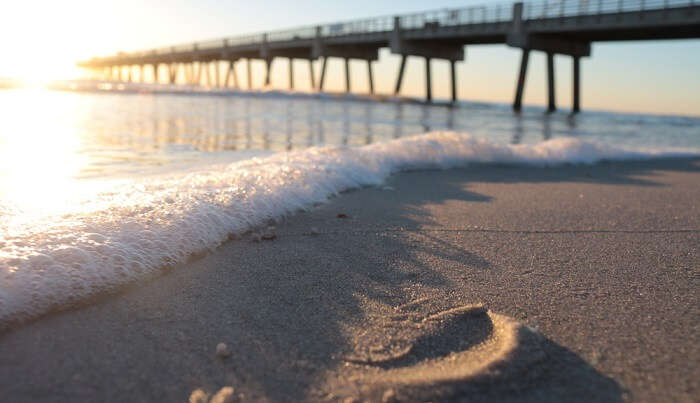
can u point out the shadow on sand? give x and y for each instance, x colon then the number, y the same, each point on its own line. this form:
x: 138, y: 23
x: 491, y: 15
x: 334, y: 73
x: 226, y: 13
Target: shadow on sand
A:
x: 290, y: 309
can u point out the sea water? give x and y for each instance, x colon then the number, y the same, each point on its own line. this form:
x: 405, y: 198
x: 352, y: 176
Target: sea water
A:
x: 107, y: 187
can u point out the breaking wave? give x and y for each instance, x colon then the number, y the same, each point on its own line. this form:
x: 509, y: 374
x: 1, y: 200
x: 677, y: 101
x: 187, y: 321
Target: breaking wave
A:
x: 134, y: 229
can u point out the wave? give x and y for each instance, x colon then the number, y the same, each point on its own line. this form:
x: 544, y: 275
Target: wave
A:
x: 134, y: 230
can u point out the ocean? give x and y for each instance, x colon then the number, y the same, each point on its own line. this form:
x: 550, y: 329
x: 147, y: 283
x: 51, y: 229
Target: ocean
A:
x: 103, y: 185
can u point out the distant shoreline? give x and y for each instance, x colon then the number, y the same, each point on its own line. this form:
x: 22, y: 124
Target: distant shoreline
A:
x: 166, y: 89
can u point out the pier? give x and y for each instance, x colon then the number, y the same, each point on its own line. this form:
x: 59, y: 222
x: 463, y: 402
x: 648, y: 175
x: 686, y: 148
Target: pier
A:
x: 555, y: 27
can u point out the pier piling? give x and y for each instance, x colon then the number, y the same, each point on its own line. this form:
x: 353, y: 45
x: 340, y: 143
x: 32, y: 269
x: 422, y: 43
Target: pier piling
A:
x: 347, y: 76
x: 249, y: 71
x: 400, y: 77
x: 518, y: 104
x: 552, y: 105
x: 428, y: 86
x: 291, y: 73
x: 577, y: 85
x: 311, y: 74
x: 323, y: 74
x: 369, y: 77
x: 430, y: 35
x: 268, y: 68
x: 453, y: 81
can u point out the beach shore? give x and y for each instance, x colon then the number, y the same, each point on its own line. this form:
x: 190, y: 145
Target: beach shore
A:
x: 575, y: 283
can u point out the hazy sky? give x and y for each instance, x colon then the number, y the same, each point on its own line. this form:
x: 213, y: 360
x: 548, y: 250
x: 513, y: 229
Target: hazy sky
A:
x: 44, y: 39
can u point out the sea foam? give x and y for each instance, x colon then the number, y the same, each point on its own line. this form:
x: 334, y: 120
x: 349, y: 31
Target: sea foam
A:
x: 137, y: 228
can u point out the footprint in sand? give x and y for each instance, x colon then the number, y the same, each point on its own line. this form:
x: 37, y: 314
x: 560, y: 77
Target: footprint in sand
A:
x: 424, y: 350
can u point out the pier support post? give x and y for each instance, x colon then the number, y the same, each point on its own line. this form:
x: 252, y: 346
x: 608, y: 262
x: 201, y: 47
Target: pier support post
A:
x: 369, y: 75
x: 268, y: 68
x: 206, y: 67
x: 173, y: 72
x: 323, y: 74
x: 142, y: 75
x: 400, y: 77
x: 235, y: 75
x: 518, y: 104
x: 453, y: 82
x: 347, y: 76
x: 216, y: 73
x: 198, y: 75
x: 311, y: 74
x: 428, y: 87
x: 231, y: 71
x: 155, y: 72
x: 291, y: 73
x: 577, y: 85
x: 249, y: 71
x: 552, y: 106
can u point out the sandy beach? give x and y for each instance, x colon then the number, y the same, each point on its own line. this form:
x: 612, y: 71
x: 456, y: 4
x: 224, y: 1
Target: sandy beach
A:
x: 488, y: 283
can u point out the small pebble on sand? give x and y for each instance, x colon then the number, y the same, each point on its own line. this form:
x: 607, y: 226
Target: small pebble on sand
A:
x: 314, y: 231
x: 224, y: 395
x: 268, y: 236
x: 198, y: 396
x: 222, y: 350
x: 342, y: 215
x: 389, y: 396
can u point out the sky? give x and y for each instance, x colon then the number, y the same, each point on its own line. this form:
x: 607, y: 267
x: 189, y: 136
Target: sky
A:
x: 43, y: 40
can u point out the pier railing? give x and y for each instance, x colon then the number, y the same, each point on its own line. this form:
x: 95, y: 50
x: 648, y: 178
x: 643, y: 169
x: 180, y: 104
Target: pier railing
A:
x: 493, y: 13
x: 462, y: 16
x: 573, y: 8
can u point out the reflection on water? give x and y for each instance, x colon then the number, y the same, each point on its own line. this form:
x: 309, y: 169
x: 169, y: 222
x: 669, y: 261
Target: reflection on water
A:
x: 90, y: 134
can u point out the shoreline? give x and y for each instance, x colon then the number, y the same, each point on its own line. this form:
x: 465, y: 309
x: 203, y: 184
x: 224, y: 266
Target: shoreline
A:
x: 558, y: 250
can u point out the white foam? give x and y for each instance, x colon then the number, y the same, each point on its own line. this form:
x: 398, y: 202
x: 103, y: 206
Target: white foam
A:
x: 110, y: 238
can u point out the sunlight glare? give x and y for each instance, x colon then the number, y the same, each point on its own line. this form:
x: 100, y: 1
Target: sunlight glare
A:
x: 40, y: 154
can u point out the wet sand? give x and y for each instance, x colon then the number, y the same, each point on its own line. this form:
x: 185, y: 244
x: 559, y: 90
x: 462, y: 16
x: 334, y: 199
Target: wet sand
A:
x: 485, y: 283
